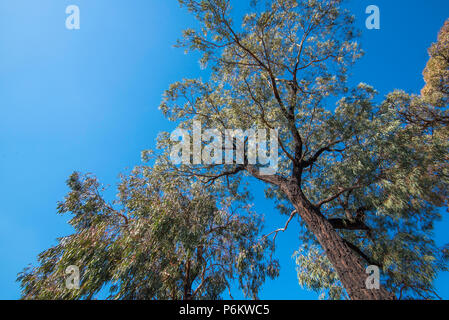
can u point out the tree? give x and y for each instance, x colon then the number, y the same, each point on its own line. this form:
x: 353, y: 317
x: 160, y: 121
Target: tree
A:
x: 366, y: 182
x: 436, y: 74
x: 357, y: 177
x: 163, y: 238
x: 430, y: 109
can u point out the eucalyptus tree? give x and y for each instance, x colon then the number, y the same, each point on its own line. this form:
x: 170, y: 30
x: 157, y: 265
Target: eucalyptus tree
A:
x: 357, y: 177
x: 430, y: 109
x: 163, y: 238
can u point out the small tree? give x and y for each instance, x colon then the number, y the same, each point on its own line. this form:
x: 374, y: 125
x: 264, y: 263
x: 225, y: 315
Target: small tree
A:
x: 357, y: 176
x: 163, y: 238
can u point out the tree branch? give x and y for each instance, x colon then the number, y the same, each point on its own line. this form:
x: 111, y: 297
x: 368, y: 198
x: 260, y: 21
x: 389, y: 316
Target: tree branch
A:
x: 338, y: 194
x: 315, y: 157
x: 271, y: 179
x: 361, y: 254
x: 294, y: 213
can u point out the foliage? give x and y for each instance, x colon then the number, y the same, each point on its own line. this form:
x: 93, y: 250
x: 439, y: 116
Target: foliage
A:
x: 163, y: 238
x: 430, y: 109
x: 315, y: 273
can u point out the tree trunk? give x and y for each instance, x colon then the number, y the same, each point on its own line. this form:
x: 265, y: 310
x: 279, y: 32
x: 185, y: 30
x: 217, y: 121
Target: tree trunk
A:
x: 345, y: 261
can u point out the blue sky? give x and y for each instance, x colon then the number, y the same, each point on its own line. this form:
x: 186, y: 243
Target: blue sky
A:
x: 87, y: 100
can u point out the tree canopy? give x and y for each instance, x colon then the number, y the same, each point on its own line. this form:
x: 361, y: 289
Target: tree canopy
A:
x: 367, y: 186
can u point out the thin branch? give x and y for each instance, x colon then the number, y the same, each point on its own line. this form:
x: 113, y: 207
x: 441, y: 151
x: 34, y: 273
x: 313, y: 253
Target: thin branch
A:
x: 238, y: 169
x: 338, y: 194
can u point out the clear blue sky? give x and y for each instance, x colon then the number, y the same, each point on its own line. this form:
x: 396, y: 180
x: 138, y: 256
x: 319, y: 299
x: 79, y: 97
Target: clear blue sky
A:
x: 87, y: 100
